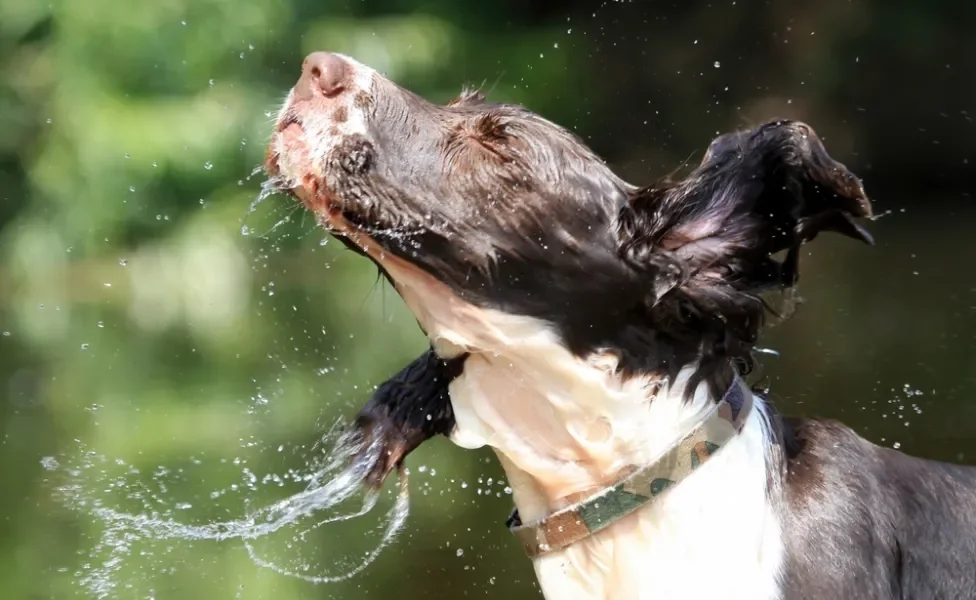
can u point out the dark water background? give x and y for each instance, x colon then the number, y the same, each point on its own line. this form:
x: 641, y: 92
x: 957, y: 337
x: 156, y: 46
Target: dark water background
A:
x: 138, y: 322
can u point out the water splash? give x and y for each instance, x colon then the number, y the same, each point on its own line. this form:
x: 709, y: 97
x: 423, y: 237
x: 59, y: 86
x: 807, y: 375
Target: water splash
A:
x: 396, y: 519
x: 269, y: 187
x: 329, y: 485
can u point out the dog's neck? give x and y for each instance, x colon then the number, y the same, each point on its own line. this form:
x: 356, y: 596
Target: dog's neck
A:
x: 565, y: 427
x: 562, y: 426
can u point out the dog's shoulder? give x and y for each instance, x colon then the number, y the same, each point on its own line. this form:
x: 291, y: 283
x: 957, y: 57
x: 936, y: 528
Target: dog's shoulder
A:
x: 844, y: 498
x: 821, y: 454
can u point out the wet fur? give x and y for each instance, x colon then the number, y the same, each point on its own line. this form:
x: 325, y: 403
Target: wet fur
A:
x: 525, y: 257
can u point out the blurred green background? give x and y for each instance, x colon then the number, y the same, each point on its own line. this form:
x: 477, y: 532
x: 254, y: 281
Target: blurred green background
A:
x: 191, y: 350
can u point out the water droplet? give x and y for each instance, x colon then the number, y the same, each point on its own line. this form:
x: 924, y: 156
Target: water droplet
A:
x: 208, y: 165
x: 245, y: 230
x: 460, y: 552
x: 84, y: 346
x: 101, y: 324
x: 212, y: 82
x: 123, y: 261
x: 6, y: 334
x: 49, y: 462
x: 132, y: 188
x: 716, y: 64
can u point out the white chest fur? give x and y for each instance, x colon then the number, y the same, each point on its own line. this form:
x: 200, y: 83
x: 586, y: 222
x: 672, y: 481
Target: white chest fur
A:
x: 564, y: 428
x: 713, y: 536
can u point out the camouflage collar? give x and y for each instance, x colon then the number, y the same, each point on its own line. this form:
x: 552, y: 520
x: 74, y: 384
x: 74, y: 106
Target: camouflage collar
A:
x: 574, y: 523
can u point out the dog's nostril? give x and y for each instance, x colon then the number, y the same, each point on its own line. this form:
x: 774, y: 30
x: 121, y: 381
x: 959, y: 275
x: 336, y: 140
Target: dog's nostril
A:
x: 329, y: 72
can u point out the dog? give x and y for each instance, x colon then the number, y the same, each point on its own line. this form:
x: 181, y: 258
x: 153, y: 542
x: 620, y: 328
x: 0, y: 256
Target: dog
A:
x: 596, y: 335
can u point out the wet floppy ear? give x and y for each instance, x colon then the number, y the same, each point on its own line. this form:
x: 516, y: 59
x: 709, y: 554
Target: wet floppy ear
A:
x: 705, y: 245
x: 404, y: 412
x: 756, y: 193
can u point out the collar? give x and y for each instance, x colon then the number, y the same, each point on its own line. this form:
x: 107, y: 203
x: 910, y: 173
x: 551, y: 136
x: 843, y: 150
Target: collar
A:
x: 574, y: 523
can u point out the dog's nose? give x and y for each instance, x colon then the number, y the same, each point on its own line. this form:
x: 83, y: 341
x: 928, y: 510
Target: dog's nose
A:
x: 324, y: 72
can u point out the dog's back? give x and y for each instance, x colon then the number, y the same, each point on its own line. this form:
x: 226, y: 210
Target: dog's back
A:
x: 863, y: 521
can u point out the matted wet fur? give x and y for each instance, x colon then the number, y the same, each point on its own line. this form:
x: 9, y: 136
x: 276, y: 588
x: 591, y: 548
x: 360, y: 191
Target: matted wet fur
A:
x: 579, y: 323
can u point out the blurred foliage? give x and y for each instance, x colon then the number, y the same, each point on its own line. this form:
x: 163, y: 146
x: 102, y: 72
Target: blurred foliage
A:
x: 138, y: 319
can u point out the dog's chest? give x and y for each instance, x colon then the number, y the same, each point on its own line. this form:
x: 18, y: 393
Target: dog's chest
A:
x: 713, y: 536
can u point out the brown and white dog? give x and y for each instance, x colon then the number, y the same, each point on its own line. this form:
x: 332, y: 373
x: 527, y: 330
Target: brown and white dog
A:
x: 581, y: 326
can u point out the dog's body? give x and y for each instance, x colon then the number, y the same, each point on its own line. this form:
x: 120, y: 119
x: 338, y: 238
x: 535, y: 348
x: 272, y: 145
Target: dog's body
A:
x: 580, y: 326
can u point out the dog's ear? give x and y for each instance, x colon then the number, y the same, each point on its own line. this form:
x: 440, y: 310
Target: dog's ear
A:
x: 706, y: 243
x: 755, y: 194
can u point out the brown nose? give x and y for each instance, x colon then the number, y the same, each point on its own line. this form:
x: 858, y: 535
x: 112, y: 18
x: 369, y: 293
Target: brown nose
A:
x: 326, y: 71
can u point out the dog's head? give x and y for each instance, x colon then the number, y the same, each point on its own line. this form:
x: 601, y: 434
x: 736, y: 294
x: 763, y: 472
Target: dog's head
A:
x: 491, y: 220
x: 504, y: 210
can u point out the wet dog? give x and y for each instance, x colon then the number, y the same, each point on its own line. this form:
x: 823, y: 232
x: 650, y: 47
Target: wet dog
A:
x: 595, y: 334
